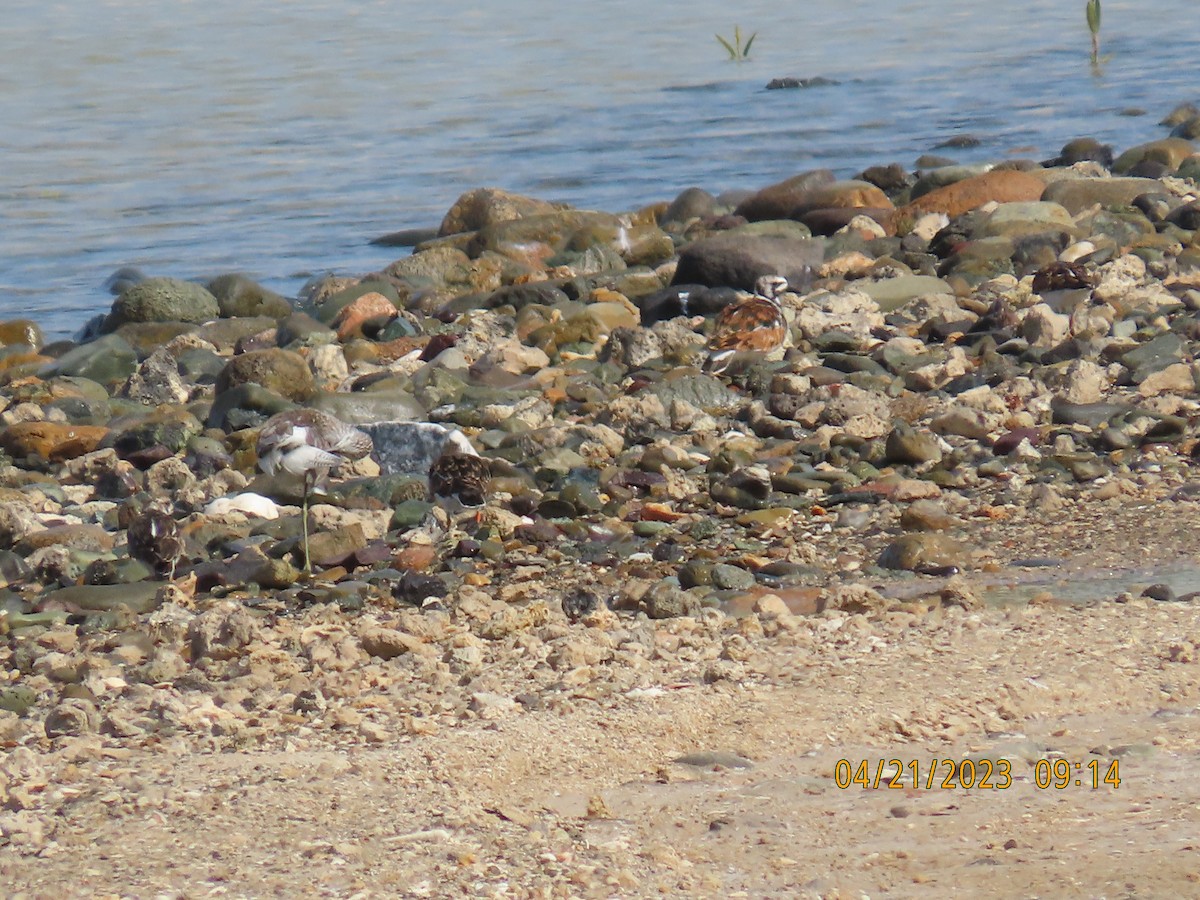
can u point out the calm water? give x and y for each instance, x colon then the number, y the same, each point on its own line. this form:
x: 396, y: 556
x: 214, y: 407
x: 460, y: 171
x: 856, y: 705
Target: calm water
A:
x: 193, y: 138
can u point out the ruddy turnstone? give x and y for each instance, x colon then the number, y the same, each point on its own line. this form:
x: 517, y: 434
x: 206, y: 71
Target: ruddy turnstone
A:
x: 754, y: 325
x: 459, y: 472
x: 154, y: 538
x: 1062, y: 276
x: 309, y: 443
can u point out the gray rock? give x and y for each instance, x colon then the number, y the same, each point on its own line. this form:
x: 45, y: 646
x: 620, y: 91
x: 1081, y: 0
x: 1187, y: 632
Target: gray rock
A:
x: 740, y: 260
x: 19, y: 699
x: 239, y: 296
x: 1153, y: 356
x: 407, y: 448
x: 301, y: 329
x: 1092, y: 415
x: 163, y: 300
x: 665, y: 600
x: 1082, y: 150
x: 369, y: 407
x: 200, y: 365
x: 907, y: 445
x: 729, y: 577
x: 223, y: 632
x: 1077, y: 194
x: 631, y: 347
x: 924, y: 550
x: 892, y: 293
x: 694, y: 203
x: 123, y: 279
x: 245, y: 405
x: 945, y: 175
x: 156, y: 381
x: 695, y: 574
x: 927, y: 515
x: 72, y: 717
x: 1023, y: 218
x: 224, y: 334
x: 140, y: 598
x: 1079, y: 381
x: 710, y: 759
x: 776, y: 228
x: 703, y: 391
x: 106, y: 360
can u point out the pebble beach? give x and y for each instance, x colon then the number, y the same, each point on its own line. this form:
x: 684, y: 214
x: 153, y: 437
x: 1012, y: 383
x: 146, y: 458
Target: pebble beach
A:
x: 971, y: 471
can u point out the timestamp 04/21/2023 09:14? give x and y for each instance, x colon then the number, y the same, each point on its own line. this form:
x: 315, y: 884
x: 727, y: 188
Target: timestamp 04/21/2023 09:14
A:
x: 979, y: 774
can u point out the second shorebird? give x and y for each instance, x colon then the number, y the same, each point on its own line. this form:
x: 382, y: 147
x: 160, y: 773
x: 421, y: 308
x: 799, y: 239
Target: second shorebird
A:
x: 311, y: 444
x: 154, y: 538
x: 459, y: 473
x: 753, y: 326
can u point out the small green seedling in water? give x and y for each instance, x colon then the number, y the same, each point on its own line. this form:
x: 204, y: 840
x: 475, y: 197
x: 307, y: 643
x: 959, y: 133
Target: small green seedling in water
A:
x: 739, y: 51
x: 1093, y: 20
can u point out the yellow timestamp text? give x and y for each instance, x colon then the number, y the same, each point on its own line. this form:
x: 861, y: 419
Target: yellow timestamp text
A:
x: 972, y: 774
x: 1060, y: 774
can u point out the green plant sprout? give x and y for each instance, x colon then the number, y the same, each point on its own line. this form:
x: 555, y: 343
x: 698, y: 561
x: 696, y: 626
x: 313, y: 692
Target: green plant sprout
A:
x: 739, y: 51
x: 1093, y: 21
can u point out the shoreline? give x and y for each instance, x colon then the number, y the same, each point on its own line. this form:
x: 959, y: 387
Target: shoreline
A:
x: 987, y: 372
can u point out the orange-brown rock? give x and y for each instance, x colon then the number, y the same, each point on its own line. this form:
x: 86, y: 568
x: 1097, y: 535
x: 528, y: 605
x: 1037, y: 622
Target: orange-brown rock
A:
x: 53, y: 441
x: 415, y: 558
x: 649, y: 215
x: 350, y: 318
x: 531, y: 240
x: 1003, y: 186
x: 91, y: 538
x: 21, y: 331
x: 19, y: 360
x: 841, y: 195
x: 659, y: 512
x: 282, y: 371
x: 775, y: 201
x: 852, y: 263
x: 390, y: 351
x: 486, y: 206
x: 828, y: 220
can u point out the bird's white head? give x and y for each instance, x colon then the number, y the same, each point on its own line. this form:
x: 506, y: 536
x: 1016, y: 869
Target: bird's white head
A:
x: 457, y: 442
x: 771, y: 286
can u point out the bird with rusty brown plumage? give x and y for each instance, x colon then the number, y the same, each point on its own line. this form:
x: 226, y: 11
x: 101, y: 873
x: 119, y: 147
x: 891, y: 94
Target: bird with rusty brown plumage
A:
x: 753, y: 326
x: 310, y: 444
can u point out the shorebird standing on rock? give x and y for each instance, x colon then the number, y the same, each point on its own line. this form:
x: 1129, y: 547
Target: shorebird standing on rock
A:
x: 752, y: 326
x: 459, y: 473
x: 311, y: 444
x: 154, y: 539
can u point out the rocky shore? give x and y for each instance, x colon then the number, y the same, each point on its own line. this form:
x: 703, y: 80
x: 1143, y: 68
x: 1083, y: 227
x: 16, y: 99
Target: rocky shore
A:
x: 989, y: 390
